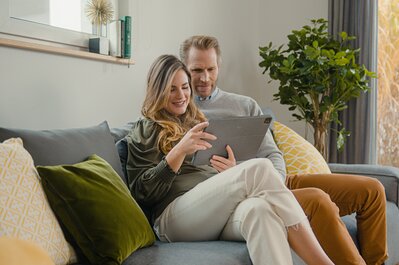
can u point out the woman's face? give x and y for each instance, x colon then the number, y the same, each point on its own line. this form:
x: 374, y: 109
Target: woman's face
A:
x: 179, y: 94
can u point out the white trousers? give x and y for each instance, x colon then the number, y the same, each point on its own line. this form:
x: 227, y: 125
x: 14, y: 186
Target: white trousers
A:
x: 247, y: 202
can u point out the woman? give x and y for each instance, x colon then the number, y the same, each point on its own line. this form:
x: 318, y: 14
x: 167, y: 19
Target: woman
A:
x: 193, y: 203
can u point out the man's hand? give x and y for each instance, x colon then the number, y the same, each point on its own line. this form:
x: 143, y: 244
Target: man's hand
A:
x: 220, y: 163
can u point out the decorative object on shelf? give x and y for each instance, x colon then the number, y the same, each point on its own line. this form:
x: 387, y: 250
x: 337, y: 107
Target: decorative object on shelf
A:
x: 99, y: 45
x: 318, y: 75
x: 100, y: 12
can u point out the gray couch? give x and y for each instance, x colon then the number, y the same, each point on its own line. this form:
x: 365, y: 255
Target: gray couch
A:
x: 53, y: 147
x: 235, y: 253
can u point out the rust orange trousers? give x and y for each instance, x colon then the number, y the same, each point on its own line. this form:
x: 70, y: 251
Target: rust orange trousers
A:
x: 326, y: 197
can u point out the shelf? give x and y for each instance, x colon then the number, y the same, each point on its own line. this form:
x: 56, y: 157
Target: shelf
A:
x: 63, y: 51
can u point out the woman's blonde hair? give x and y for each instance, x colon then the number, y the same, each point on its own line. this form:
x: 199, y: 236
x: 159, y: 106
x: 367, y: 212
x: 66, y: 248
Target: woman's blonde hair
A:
x: 159, y: 84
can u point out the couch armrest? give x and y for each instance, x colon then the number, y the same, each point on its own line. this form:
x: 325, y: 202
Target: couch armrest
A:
x: 388, y: 176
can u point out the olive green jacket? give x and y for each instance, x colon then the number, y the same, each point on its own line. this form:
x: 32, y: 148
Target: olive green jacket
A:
x: 151, y: 181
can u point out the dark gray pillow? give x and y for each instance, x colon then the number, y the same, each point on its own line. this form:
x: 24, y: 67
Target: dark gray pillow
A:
x: 119, y: 135
x: 68, y: 146
x: 122, y: 148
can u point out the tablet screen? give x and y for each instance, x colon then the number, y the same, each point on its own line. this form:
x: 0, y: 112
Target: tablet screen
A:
x: 243, y: 134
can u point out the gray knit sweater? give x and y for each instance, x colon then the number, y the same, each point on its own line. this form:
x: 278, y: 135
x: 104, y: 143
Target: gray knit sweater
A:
x: 225, y: 104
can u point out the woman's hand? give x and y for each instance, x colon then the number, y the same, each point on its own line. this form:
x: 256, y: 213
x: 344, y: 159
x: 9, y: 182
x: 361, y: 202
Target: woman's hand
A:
x: 220, y: 163
x: 195, y: 139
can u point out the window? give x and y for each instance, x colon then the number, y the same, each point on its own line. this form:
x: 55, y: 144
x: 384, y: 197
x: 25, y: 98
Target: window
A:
x: 35, y: 26
x: 388, y: 83
x: 56, y: 21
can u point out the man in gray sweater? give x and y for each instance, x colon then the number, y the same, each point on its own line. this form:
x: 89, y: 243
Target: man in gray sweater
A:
x: 323, y: 198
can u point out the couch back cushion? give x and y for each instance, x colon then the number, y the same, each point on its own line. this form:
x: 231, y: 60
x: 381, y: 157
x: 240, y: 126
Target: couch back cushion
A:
x: 68, y: 146
x: 119, y: 132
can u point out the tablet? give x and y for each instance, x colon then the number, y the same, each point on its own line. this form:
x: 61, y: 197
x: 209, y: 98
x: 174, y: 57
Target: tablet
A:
x: 243, y: 134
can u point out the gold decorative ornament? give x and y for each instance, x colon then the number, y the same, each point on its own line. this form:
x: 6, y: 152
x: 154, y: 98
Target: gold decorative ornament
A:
x: 100, y: 12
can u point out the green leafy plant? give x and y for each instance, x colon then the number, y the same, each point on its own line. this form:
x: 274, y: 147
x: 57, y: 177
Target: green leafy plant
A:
x: 318, y: 75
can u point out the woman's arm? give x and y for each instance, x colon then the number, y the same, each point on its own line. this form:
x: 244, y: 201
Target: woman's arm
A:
x: 193, y: 140
x: 150, y: 173
x: 149, y: 177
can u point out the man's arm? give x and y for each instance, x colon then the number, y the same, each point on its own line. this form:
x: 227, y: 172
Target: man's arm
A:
x: 269, y: 149
x: 230, y: 104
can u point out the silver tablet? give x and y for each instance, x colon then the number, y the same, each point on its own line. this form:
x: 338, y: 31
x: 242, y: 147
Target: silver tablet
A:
x: 243, y: 134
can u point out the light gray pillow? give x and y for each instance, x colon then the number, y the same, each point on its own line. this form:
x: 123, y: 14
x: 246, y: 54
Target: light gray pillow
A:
x: 119, y: 132
x: 68, y: 146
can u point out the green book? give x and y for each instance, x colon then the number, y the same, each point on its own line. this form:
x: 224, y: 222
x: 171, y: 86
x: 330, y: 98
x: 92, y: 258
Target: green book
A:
x: 128, y: 37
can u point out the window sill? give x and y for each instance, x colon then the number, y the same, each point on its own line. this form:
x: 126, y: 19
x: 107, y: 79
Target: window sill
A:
x: 63, y: 51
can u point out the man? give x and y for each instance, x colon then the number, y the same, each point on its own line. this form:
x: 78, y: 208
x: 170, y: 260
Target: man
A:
x: 324, y: 198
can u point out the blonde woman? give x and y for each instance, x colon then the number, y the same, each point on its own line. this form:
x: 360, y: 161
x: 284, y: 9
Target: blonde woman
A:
x: 248, y: 202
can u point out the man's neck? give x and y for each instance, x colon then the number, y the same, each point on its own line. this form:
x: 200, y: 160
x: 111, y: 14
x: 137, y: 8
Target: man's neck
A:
x: 212, y: 95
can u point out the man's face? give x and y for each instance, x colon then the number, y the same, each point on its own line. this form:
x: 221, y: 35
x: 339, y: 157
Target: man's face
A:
x: 204, y: 69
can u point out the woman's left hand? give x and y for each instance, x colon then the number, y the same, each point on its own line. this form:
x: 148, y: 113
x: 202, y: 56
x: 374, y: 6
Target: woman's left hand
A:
x: 220, y: 163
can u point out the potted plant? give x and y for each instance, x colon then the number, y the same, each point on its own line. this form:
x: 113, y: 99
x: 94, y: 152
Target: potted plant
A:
x: 318, y: 75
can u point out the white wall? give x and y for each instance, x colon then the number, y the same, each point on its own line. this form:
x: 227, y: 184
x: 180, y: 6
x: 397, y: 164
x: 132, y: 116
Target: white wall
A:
x: 39, y: 90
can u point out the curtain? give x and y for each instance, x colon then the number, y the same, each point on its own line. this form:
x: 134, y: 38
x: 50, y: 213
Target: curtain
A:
x: 357, y: 18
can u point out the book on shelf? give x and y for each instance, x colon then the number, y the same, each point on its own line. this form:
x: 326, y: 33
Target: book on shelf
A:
x: 127, y: 37
x: 115, y: 38
x: 120, y: 38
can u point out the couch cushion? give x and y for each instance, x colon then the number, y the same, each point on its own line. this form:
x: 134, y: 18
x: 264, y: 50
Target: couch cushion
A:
x: 67, y: 146
x: 299, y: 155
x: 198, y: 253
x: 97, y: 209
x: 393, y: 233
x: 24, y: 210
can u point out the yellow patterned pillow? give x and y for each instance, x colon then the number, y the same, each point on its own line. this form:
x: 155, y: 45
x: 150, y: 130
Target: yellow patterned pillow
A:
x: 300, y: 156
x: 24, y: 210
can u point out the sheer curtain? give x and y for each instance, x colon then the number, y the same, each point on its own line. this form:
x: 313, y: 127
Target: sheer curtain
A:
x: 357, y: 18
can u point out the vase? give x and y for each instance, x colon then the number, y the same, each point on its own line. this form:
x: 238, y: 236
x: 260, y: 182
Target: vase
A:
x: 98, y: 29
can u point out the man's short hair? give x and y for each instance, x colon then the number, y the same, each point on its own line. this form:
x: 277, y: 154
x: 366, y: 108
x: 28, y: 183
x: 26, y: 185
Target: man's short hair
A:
x: 200, y: 42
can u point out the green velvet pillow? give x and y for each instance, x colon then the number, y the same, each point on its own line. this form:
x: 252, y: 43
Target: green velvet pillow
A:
x: 95, y: 206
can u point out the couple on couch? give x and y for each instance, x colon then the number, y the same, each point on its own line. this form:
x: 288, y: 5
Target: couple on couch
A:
x: 249, y: 201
